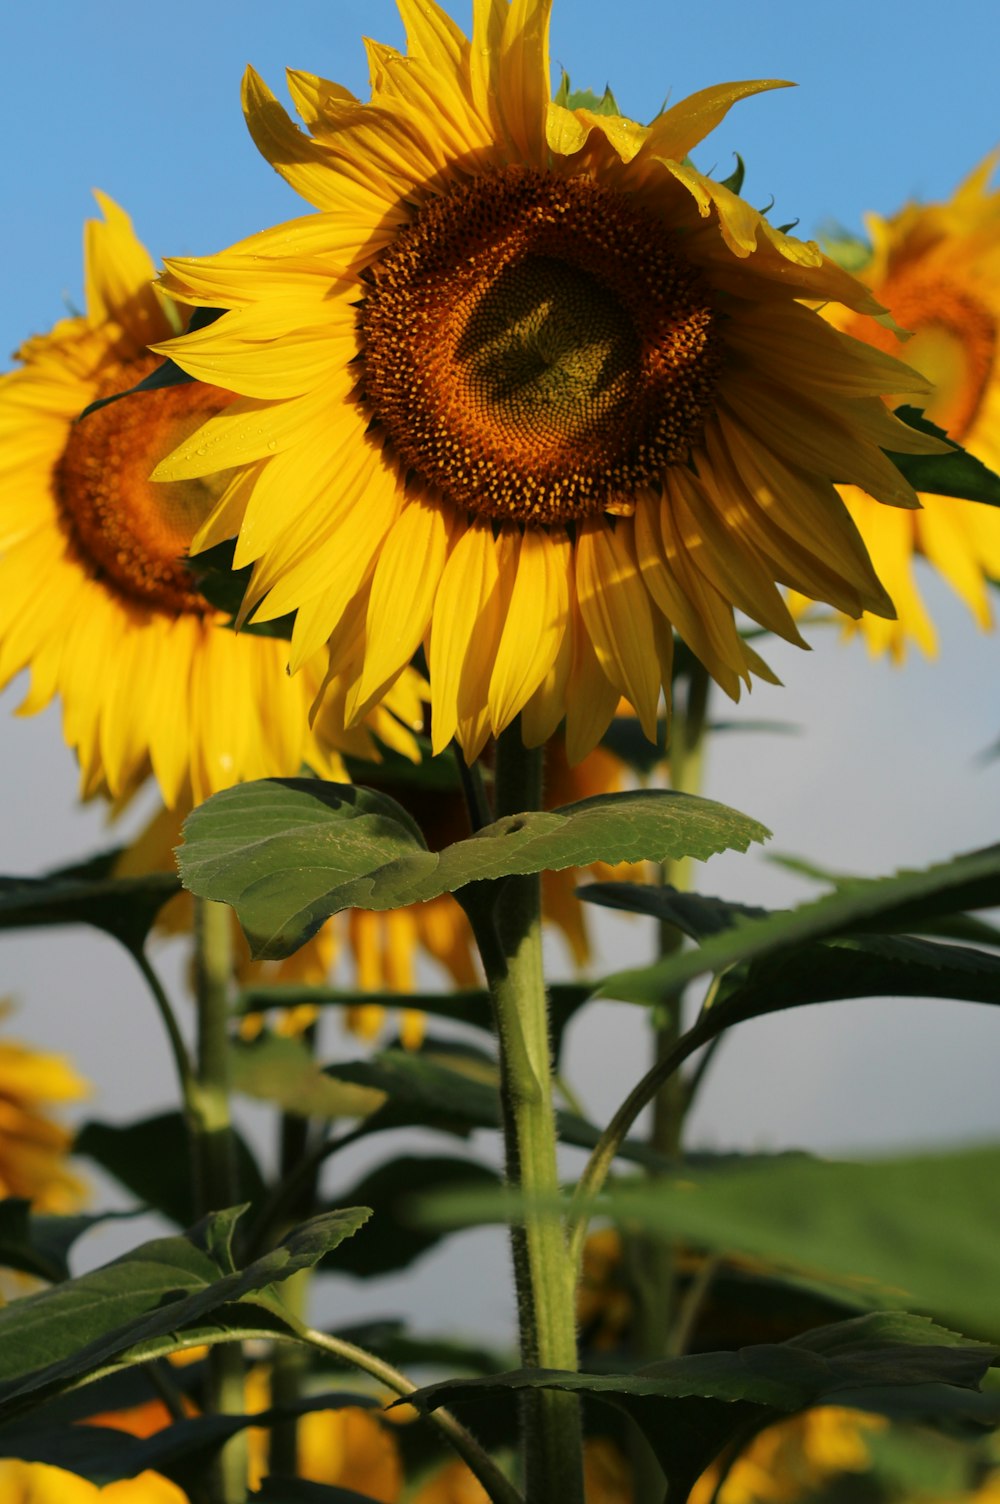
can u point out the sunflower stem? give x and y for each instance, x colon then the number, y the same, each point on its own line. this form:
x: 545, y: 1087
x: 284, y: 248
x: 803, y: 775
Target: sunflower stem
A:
x: 508, y: 931
x: 215, y: 1166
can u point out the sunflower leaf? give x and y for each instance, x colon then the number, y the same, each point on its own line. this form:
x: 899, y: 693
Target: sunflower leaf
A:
x: 150, y: 1158
x: 731, y: 936
x: 287, y: 853
x: 39, y: 1244
x: 958, y: 474
x: 86, y: 893
x: 164, y: 1295
x: 690, y: 1407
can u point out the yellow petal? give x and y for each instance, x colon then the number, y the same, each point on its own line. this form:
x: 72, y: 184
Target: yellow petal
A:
x: 524, y: 78
x: 536, y: 624
x: 402, y: 595
x: 678, y: 130
x: 615, y: 607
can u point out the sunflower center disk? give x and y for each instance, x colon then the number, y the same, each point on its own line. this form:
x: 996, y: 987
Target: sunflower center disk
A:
x: 133, y: 532
x: 535, y: 348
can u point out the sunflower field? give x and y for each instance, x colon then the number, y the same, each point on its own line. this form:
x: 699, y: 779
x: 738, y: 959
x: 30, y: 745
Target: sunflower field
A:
x: 392, y: 573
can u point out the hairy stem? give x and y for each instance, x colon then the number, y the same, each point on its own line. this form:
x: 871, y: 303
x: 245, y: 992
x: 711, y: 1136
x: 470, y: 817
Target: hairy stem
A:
x: 508, y: 928
x: 215, y: 1165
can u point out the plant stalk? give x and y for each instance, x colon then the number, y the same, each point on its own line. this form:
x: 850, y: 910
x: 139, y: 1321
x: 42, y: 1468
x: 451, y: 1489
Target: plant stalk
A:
x: 215, y: 1166
x: 509, y: 935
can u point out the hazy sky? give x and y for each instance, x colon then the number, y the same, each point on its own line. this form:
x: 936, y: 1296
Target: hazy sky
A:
x: 143, y: 102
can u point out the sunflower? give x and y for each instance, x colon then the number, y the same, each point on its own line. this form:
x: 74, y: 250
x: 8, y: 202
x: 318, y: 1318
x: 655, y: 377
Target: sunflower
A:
x: 937, y: 268
x: 94, y: 596
x: 528, y: 389
x: 795, y: 1459
x: 33, y: 1146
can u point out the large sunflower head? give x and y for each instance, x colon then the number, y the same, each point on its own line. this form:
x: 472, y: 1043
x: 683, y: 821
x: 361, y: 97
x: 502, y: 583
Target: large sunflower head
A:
x: 95, y: 596
x: 528, y: 389
x: 937, y: 268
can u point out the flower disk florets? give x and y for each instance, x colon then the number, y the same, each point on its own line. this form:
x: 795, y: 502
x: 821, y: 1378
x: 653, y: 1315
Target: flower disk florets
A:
x: 129, y: 531
x: 536, y: 348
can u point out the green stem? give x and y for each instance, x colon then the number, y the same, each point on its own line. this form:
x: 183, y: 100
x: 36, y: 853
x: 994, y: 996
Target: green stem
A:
x: 215, y: 1165
x: 498, y: 1487
x: 290, y: 1361
x: 605, y: 1151
x: 509, y: 936
x: 179, y: 1050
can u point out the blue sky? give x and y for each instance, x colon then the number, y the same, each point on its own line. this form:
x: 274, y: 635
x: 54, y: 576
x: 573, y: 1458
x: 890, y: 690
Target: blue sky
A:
x: 143, y: 101
x: 894, y: 102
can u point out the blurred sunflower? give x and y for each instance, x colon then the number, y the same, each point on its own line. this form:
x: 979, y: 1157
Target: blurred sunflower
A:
x: 790, y: 1462
x: 937, y: 267
x: 94, y: 595
x: 33, y: 1145
x: 528, y: 389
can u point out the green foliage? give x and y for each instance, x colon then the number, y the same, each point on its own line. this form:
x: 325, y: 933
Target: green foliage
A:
x: 86, y: 893
x: 956, y: 474
x: 287, y: 853
x: 171, y: 1293
x: 39, y: 1244
x: 393, y: 1241
x: 689, y: 1408
x: 916, y: 1232
x: 732, y: 935
x: 274, y: 1068
x: 423, y: 1092
x: 585, y: 99
x: 151, y: 1157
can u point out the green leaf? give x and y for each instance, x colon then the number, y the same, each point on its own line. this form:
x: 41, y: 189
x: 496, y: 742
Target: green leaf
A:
x: 908, y: 899
x: 421, y: 1092
x: 957, y: 474
x: 151, y: 1158
x: 39, y: 1244
x: 690, y: 1407
x: 917, y: 1232
x: 274, y: 1068
x: 85, y: 893
x: 167, y: 1294
x: 394, y: 1241
x: 288, y: 853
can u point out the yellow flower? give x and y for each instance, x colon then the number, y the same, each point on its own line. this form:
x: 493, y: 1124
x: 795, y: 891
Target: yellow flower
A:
x: 94, y: 596
x: 789, y: 1461
x: 33, y: 1146
x: 353, y: 1448
x: 37, y: 1483
x: 937, y: 268
x: 527, y: 389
